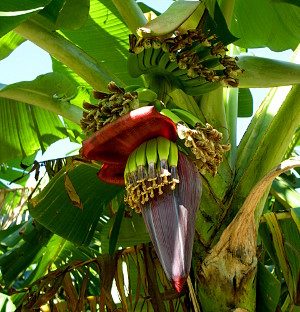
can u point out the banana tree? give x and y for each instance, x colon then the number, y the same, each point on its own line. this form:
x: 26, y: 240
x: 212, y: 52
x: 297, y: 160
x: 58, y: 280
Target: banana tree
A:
x: 160, y: 204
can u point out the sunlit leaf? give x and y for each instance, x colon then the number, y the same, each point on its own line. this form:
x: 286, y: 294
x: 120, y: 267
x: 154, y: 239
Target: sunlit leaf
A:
x: 263, y: 23
x: 24, y: 129
x: 53, y: 208
x: 8, y: 43
x: 245, y: 104
x: 14, y: 12
x: 108, y: 43
x: 67, y: 14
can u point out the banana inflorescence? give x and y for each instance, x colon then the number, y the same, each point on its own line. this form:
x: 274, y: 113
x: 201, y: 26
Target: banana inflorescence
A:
x: 193, y: 61
x: 150, y: 168
x: 113, y: 105
x: 201, y: 139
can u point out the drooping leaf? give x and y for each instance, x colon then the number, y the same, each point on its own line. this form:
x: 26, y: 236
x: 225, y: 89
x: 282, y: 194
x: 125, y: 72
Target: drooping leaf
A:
x: 278, y: 241
x: 54, y: 210
x: 19, y: 258
x: 170, y: 20
x: 67, y: 14
x: 50, y: 91
x: 268, y: 290
x: 245, y: 104
x: 12, y: 170
x: 116, y: 230
x: 14, y: 12
x: 108, y: 44
x: 8, y: 43
x: 285, y: 194
x: 217, y: 25
x: 263, y: 23
x: 295, y: 213
x: 24, y: 129
x: 260, y: 72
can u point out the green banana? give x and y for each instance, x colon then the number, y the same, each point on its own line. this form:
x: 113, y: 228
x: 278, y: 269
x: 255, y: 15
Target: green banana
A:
x: 131, y: 88
x: 173, y: 161
x: 187, y: 117
x: 211, y: 63
x: 140, y: 59
x: 164, y: 60
x: 133, y: 167
x: 163, y: 147
x: 171, y: 115
x: 201, y: 89
x: 193, y: 82
x: 155, y: 56
x: 146, y: 95
x: 151, y: 154
x: 172, y: 66
x: 179, y: 72
x: 147, y: 57
x: 133, y: 67
x: 127, y: 177
x: 141, y: 162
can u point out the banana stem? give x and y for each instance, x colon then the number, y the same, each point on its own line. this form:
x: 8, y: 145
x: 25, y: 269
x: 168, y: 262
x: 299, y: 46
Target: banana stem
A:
x: 231, y: 107
x: 66, y: 52
x: 131, y: 13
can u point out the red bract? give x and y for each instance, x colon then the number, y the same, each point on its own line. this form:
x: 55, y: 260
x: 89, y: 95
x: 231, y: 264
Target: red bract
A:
x: 114, y: 143
x: 171, y: 218
x: 112, y: 173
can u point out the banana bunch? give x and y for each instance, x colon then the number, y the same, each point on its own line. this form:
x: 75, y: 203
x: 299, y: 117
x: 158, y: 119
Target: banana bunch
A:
x: 203, y: 141
x: 113, y: 105
x: 150, y: 168
x: 191, y: 61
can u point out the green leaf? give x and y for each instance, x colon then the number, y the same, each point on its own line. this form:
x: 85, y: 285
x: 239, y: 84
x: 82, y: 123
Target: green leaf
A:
x: 285, y: 194
x: 8, y: 43
x: 268, y: 246
x: 24, y: 129
x: 6, y: 304
x: 67, y: 14
x: 295, y: 213
x: 294, y: 2
x: 262, y: 23
x: 14, y: 12
x: 53, y: 209
x: 218, y: 26
x: 261, y: 72
x: 19, y: 258
x: 278, y: 241
x: 116, y: 229
x: 12, y: 170
x: 145, y: 8
x: 50, y: 91
x: 268, y: 290
x: 166, y: 23
x: 291, y: 234
x: 245, y: 104
x: 108, y: 45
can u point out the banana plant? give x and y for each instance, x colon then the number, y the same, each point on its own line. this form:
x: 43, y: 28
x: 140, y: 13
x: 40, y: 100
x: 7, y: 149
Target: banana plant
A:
x: 160, y: 205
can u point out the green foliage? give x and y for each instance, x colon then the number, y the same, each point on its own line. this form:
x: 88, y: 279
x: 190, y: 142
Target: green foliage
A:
x: 77, y: 224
